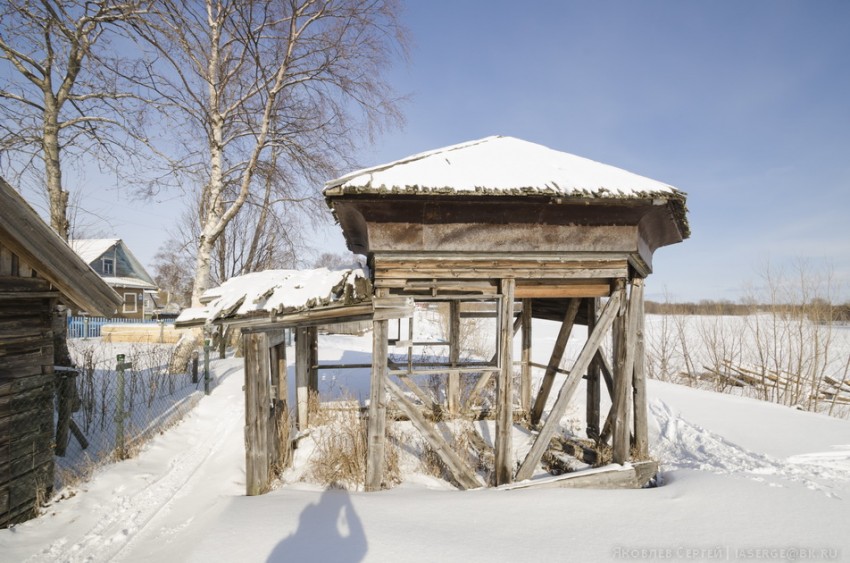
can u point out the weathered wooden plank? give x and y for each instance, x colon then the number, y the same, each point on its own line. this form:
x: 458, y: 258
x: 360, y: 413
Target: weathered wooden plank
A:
x: 45, y: 251
x: 552, y: 422
x: 496, y: 260
x: 640, y: 400
x: 453, y: 390
x: 481, y: 272
x: 377, y: 423
x: 554, y: 291
x: 302, y: 365
x: 463, y: 475
x: 624, y: 369
x: 594, y: 391
x: 526, y: 363
x: 257, y: 405
x: 630, y: 476
x: 503, y: 471
x: 554, y: 360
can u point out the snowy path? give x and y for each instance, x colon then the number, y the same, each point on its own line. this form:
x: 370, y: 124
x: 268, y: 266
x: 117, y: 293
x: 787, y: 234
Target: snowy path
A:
x: 737, y: 474
x: 151, y: 499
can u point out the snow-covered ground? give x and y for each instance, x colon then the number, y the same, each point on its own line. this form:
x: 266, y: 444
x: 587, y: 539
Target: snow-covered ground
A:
x: 741, y: 480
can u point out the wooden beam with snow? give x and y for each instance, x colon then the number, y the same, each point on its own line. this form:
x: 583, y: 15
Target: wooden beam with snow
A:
x: 570, y: 384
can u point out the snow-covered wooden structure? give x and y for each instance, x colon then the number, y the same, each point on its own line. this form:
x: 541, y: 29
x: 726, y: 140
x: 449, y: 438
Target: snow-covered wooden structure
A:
x: 503, y: 227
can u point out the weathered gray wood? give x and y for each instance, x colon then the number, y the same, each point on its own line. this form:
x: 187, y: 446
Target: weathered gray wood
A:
x: 624, y: 338
x: 640, y: 399
x: 552, y: 422
x: 632, y: 476
x: 484, y: 379
x: 525, y: 373
x: 554, y: 360
x: 377, y: 422
x: 313, y: 372
x: 302, y: 370
x: 37, y: 246
x: 503, y: 471
x: 453, y: 392
x: 257, y: 406
x: 423, y: 395
x: 594, y: 392
x: 465, y: 477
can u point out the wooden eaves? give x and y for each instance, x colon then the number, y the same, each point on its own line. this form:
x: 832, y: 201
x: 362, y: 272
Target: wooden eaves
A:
x: 23, y: 232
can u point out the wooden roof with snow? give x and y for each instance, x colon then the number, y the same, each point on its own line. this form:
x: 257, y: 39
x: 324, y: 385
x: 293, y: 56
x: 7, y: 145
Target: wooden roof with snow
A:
x: 502, y: 194
x: 23, y: 232
x: 285, y: 298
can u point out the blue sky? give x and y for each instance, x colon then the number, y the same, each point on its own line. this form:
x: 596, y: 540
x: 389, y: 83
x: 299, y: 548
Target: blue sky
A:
x: 744, y: 105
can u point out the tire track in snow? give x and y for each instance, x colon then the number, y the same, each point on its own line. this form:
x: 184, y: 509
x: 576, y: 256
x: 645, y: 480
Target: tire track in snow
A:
x: 121, y: 521
x: 684, y: 445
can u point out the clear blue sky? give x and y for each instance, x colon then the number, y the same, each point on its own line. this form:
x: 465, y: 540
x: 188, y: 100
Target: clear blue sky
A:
x: 744, y: 105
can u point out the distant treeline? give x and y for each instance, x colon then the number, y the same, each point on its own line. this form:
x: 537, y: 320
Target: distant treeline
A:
x: 818, y: 310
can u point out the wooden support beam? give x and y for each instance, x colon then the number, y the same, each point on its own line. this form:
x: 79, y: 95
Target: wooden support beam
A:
x: 282, y: 431
x: 313, y: 380
x: 525, y: 374
x: 625, y: 330
x: 568, y: 389
x: 377, y: 422
x: 257, y: 414
x: 554, y: 360
x: 555, y: 291
x: 460, y: 471
x: 426, y: 399
x: 302, y: 377
x: 594, y: 391
x: 453, y: 391
x: 503, y: 471
x: 640, y: 402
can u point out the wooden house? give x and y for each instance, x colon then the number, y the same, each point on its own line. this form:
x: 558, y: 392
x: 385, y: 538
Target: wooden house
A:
x: 38, y: 270
x: 503, y: 228
x: 123, y: 272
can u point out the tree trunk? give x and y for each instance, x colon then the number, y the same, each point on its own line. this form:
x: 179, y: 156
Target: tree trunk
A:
x: 57, y: 197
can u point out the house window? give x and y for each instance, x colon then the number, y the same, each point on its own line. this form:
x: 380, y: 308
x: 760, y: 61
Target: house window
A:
x: 108, y: 267
x: 130, y: 305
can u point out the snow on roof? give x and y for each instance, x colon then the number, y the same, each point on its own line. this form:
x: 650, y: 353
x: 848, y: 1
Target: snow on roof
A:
x: 499, y: 166
x: 279, y: 291
x: 128, y: 282
x: 91, y: 249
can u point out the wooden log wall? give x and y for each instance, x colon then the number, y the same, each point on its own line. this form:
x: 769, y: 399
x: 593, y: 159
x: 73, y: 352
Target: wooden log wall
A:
x: 26, y: 390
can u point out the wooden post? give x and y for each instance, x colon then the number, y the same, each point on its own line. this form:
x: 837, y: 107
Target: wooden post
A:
x: 195, y: 366
x: 624, y: 353
x: 641, y: 421
x: 313, y: 380
x: 555, y: 360
x: 257, y: 413
x: 453, y: 392
x: 594, y: 391
x: 525, y: 374
x: 585, y: 356
x: 377, y: 422
x: 64, y: 392
x: 503, y: 471
x: 302, y: 370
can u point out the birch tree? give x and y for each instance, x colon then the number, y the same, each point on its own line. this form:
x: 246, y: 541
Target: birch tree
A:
x: 58, y: 99
x: 291, y: 85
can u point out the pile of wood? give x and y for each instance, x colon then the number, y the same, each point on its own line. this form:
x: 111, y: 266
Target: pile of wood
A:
x: 830, y: 389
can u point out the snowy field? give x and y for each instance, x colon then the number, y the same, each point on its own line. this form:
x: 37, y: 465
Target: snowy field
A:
x: 741, y: 480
